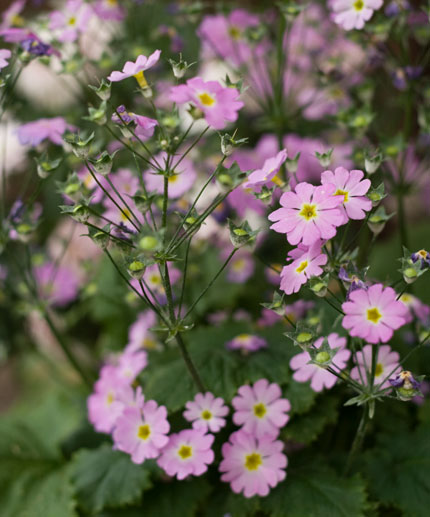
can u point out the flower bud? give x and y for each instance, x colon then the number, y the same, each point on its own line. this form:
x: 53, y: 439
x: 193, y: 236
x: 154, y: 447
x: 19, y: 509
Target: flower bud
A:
x: 80, y: 147
x: 324, y: 158
x: 45, y: 166
x: 372, y: 163
x: 241, y: 235
x: 292, y: 163
x: 103, y: 91
x: 376, y: 195
x: 377, y: 220
x: 103, y: 164
x: 136, y: 269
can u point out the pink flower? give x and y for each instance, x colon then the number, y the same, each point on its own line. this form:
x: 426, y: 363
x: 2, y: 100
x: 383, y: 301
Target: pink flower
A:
x: 142, y: 431
x: 305, y: 263
x: 219, y: 104
x: 320, y: 378
x: 11, y: 16
x: 153, y: 279
x: 109, y: 10
x: 4, y: 55
x: 131, y: 69
x: 53, y: 129
x: 130, y: 364
x: 352, y: 187
x: 70, y: 22
x: 352, y: 14
x: 187, y: 453
x: 267, y: 173
x: 182, y: 179
x: 260, y: 409
x: 374, y: 313
x: 387, y: 361
x: 241, y: 267
x: 110, y: 397
x: 58, y: 285
x: 139, y: 335
x: 144, y: 128
x: 246, y: 343
x: 206, y: 412
x: 252, y: 465
x: 308, y: 214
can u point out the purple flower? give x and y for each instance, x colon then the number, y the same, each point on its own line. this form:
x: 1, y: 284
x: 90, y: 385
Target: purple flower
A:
x: 57, y: 285
x: 36, y: 47
x: 53, y: 129
x: 109, y: 10
x: 405, y: 380
x: 423, y: 256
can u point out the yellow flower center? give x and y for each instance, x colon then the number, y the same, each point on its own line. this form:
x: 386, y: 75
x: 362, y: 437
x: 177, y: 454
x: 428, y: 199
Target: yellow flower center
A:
x: 260, y: 410
x: 373, y: 315
x: 206, y: 99
x: 109, y: 398
x: 253, y: 461
x: 72, y: 21
x: 379, y: 370
x: 234, y: 32
x: 243, y: 338
x: 238, y: 265
x: 155, y: 279
x: 308, y: 212
x: 277, y: 181
x: 302, y: 267
x: 141, y: 79
x: 173, y: 179
x: 148, y: 343
x: 206, y: 414
x: 185, y: 451
x: 144, y: 431
x: 422, y: 253
x: 125, y: 214
x: 358, y: 5
x: 343, y: 193
x: 406, y: 298
x: 112, y: 3
x: 17, y: 21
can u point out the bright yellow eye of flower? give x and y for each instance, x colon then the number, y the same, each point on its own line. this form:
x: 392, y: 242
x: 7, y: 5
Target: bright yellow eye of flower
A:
x: 379, y: 370
x: 144, y: 432
x: 109, y: 398
x: 358, y: 5
x: 206, y: 99
x: 253, y: 461
x: 173, y: 179
x: 374, y: 315
x: 141, y: 79
x: 206, y: 414
x: 234, y: 32
x: 308, y: 212
x: 342, y: 193
x: 302, y: 267
x: 185, y: 452
x: 72, y: 21
x: 260, y: 410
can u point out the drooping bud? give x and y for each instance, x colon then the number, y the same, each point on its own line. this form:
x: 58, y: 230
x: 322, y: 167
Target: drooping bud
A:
x: 241, y: 235
x: 324, y: 158
x: 372, y: 161
x: 378, y: 219
x: 45, y: 166
x: 103, y: 164
x: 103, y: 91
x: 80, y: 147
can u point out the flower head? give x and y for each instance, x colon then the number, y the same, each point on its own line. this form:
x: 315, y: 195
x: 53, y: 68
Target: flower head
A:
x: 318, y: 375
x: 260, y: 409
x: 352, y: 187
x: 387, y: 361
x: 206, y: 412
x: 352, y: 14
x: 139, y: 335
x: 71, y: 21
x: 267, y: 173
x: 57, y: 285
x: 53, y: 129
x: 144, y: 126
x: 141, y: 431
x: 136, y: 69
x: 4, y: 56
x: 187, y: 453
x: 308, y: 214
x: 246, y: 343
x: 373, y: 314
x: 218, y: 103
x: 252, y: 465
x: 422, y: 256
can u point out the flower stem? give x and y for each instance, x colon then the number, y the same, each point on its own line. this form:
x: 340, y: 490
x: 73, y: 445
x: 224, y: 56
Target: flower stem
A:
x: 358, y: 439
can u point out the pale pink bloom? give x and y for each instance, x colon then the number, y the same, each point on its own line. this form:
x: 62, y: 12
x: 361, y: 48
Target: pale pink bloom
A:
x: 320, y: 378
x: 240, y: 268
x: 154, y: 281
x: 417, y: 309
x: 144, y: 126
x: 373, y: 313
x: 252, y: 465
x: 181, y: 181
x: 109, y: 10
x: 139, y: 335
x: 187, y: 453
x: 71, y: 21
x: 308, y: 214
x: 218, y: 103
x: 11, y: 16
x: 352, y: 14
x: 110, y: 397
x: 306, y: 261
x: 206, y: 412
x: 265, y: 175
x: 387, y: 362
x: 260, y: 409
x: 57, y: 285
x: 141, y: 431
x: 130, y: 364
x: 353, y: 188
x: 53, y: 129
x: 4, y: 56
x: 131, y: 69
x: 246, y: 343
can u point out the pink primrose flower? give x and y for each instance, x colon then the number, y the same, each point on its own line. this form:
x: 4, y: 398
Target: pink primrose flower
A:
x: 387, y: 364
x: 4, y: 56
x: 58, y: 285
x: 53, y: 129
x: 353, y: 14
x: 139, y: 335
x: 246, y: 343
x: 136, y: 69
x: 206, y: 412
x: 267, y: 173
x: 71, y: 21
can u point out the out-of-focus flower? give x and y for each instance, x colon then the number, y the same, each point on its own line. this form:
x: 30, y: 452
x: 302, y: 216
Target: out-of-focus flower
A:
x: 267, y: 173
x: 71, y: 21
x: 53, y: 129
x: 136, y: 69
x: 353, y: 188
x: 144, y: 128
x: 386, y: 362
x: 141, y: 431
x: 308, y: 214
x: 139, y: 335
x: 318, y: 375
x: 353, y: 14
x: 241, y: 267
x: 252, y: 465
x: 423, y: 256
x: 187, y: 453
x: 130, y: 364
x: 206, y: 412
x: 260, y: 409
x: 373, y: 314
x: 417, y: 309
x: 11, y: 16
x: 306, y: 262
x: 218, y: 104
x: 57, y: 285
x: 109, y: 10
x: 246, y: 343
x: 4, y: 56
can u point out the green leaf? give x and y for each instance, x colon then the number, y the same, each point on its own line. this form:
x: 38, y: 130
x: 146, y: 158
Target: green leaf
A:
x: 105, y: 478
x: 306, y: 428
x: 315, y: 491
x: 301, y: 397
x: 225, y: 502
x: 399, y: 471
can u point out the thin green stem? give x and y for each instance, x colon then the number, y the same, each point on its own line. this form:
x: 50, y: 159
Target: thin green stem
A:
x: 358, y: 439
